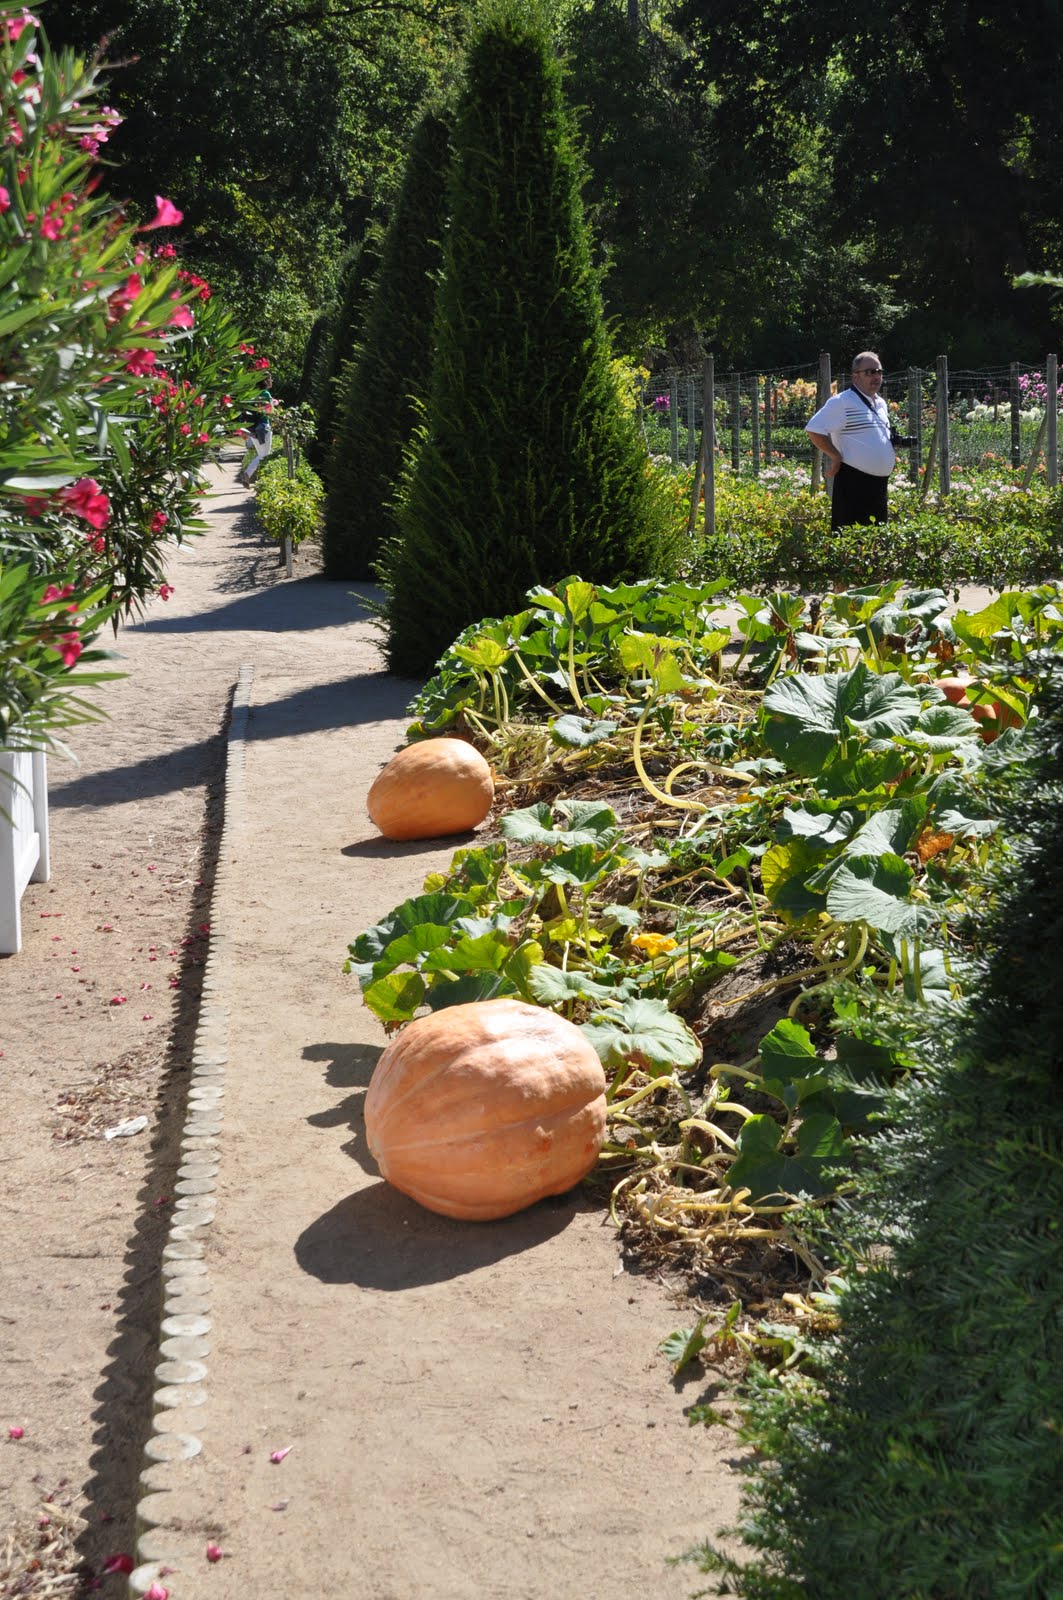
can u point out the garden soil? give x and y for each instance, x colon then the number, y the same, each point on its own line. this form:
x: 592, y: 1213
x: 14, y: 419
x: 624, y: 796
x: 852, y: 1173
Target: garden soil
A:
x: 350, y: 1395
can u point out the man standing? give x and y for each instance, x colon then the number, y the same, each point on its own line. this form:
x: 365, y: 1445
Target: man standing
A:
x: 853, y: 431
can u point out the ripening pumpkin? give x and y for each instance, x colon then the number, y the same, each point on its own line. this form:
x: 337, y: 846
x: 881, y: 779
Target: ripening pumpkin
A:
x: 435, y: 787
x: 479, y: 1110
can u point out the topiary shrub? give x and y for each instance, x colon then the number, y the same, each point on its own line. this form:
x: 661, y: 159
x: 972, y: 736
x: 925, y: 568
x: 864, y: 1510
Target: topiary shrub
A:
x: 526, y: 468
x: 337, y: 342
x: 389, y: 373
x: 927, y: 1462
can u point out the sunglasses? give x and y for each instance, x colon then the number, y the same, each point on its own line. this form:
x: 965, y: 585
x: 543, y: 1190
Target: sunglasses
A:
x: 867, y: 372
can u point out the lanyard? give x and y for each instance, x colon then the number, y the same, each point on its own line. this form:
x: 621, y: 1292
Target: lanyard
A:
x: 873, y: 409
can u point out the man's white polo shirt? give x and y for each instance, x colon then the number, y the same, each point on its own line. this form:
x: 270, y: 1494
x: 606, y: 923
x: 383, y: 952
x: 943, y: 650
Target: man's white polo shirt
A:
x: 859, y: 431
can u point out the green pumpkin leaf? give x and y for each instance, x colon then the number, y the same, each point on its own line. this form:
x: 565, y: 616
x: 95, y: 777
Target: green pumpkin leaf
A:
x: 396, y: 997
x: 579, y: 733
x: 808, y: 716
x: 763, y: 1167
x: 874, y: 890
x: 785, y: 870
x: 467, y: 990
x: 549, y: 986
x: 684, y: 1345
x: 648, y: 1031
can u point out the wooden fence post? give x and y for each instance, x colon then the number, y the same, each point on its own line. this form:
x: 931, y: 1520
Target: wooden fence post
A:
x: 755, y: 414
x: 708, y: 423
x: 942, y: 399
x: 915, y: 421
x: 822, y: 396
x: 673, y: 417
x: 1052, y: 413
x: 692, y: 433
x: 767, y: 418
x: 736, y: 422
x: 1016, y: 435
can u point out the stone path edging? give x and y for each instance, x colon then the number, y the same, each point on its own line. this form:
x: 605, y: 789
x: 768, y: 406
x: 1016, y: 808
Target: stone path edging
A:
x: 181, y: 1395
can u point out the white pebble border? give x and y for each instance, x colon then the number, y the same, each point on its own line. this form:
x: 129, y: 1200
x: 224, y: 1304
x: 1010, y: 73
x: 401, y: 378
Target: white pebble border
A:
x: 181, y: 1394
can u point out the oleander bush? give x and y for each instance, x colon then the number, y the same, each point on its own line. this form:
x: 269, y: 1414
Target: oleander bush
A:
x: 120, y: 373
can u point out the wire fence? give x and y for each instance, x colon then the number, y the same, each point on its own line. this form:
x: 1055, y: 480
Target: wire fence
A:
x: 993, y: 417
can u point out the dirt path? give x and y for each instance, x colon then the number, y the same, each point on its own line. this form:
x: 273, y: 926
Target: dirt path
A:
x: 471, y: 1411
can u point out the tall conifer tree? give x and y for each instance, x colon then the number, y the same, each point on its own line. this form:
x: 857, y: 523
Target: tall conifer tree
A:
x: 389, y: 372
x: 526, y: 469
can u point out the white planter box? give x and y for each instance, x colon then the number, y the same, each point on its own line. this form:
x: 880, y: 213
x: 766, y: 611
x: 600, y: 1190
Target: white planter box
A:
x: 23, y: 837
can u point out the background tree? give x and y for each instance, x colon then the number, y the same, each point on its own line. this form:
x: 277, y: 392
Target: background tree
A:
x: 388, y: 375
x: 527, y: 468
x: 931, y: 119
x: 702, y: 235
x: 282, y: 133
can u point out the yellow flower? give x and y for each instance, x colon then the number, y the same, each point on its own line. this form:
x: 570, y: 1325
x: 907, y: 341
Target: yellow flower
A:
x: 654, y: 944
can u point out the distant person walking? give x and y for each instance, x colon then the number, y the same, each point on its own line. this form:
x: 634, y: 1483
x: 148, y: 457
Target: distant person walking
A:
x: 259, y: 439
x: 858, y: 441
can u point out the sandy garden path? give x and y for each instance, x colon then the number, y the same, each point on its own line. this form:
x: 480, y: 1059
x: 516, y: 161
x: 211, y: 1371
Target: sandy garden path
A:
x: 468, y: 1411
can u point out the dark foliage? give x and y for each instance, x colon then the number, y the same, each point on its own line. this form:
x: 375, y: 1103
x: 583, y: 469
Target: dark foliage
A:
x: 388, y: 375
x: 929, y: 1463
x: 338, y: 343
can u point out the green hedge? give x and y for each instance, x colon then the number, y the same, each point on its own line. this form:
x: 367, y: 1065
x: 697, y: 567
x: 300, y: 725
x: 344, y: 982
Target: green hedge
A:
x: 772, y: 539
x: 289, y: 508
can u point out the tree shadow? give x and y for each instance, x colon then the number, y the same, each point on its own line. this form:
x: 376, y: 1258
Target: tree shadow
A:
x: 351, y: 702
x: 350, y: 1066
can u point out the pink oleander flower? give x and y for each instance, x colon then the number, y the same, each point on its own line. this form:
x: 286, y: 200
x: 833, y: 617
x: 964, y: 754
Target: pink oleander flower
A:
x: 157, y: 1591
x: 70, y: 647
x: 118, y: 1563
x: 165, y: 252
x: 202, y: 438
x: 85, y: 499
x: 16, y: 1433
x: 52, y: 593
x: 165, y: 591
x: 15, y: 25
x: 51, y: 228
x: 121, y: 301
x: 186, y: 427
x: 158, y: 522
x: 182, y: 318
x: 141, y: 363
x: 35, y: 505
x: 166, y: 216
x: 5, y: 200
x: 277, y: 1456
x: 214, y: 1551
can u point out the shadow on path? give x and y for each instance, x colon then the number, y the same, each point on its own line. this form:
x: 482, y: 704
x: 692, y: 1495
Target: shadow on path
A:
x: 348, y: 703
x: 296, y: 606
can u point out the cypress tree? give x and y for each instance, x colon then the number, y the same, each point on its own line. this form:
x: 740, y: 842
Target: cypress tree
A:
x: 315, y: 341
x: 388, y: 375
x: 526, y: 468
x: 929, y: 1464
x: 345, y: 327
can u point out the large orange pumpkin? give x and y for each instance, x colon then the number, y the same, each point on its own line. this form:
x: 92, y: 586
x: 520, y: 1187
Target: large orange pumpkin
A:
x: 479, y: 1110
x: 435, y: 787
